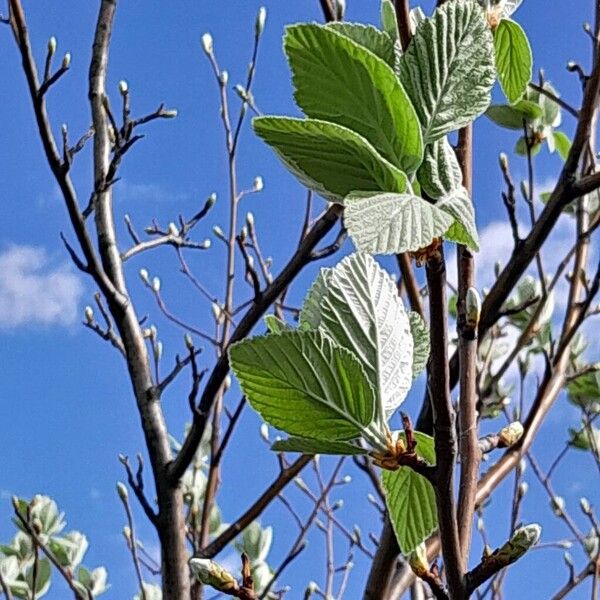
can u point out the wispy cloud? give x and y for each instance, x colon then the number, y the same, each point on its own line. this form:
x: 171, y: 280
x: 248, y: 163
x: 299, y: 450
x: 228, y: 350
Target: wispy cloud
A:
x: 34, y: 291
x: 129, y: 191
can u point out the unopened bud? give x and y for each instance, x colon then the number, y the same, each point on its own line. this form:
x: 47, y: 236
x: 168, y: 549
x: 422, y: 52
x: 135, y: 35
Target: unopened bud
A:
x: 210, y: 202
x: 170, y: 113
x: 52, y: 46
x: 156, y: 284
x: 259, y: 184
x: 89, y: 315
x: 480, y: 525
x: 418, y: 561
x: 340, y: 9
x: 217, y: 312
x: 521, y: 467
x: 473, y: 307
x: 244, y: 233
x: 524, y: 189
x: 523, y: 489
x: 206, y: 244
x: 144, y: 276
x: 189, y: 344
x: 300, y: 483
x: 127, y: 533
x: 224, y: 78
x: 250, y: 220
x: 207, y: 43
x: 173, y: 230
x: 337, y: 504
x: 511, y: 434
x: 585, y: 505
x: 521, y: 541
x: 503, y: 160
x: 565, y: 544
x: 123, y: 87
x: 66, y: 62
x: 158, y: 350
x: 218, y: 232
x: 261, y: 17
x: 264, y: 432
x: 211, y: 573
x: 122, y: 491
x: 568, y: 560
x: 153, y: 332
x: 347, y: 479
x: 227, y: 382
x: 557, y: 504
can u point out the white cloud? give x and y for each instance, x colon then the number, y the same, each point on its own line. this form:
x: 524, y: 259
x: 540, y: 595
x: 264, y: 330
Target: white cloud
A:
x: 128, y: 191
x: 33, y: 291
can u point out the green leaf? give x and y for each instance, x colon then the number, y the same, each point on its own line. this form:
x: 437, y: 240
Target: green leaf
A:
x: 521, y: 147
x: 410, y: 499
x: 584, y: 391
x: 440, y: 173
x: 360, y: 309
x: 305, y: 385
x: 512, y: 117
x: 276, y: 325
x: 448, y: 70
x: 463, y: 230
x: 393, y: 223
x: 310, y: 315
x: 309, y: 446
x: 563, y: 144
x: 421, y: 343
x: 514, y: 61
x: 550, y: 108
x: 328, y: 158
x: 338, y: 81
x: 371, y: 38
x: 389, y: 23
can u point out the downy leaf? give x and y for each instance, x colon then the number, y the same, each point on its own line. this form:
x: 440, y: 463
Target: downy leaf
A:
x: 448, y: 69
x: 440, y: 172
x: 371, y: 38
x: 310, y: 446
x: 389, y: 23
x: 276, y: 325
x: 514, y: 61
x: 360, y: 310
x: 410, y: 499
x: 338, y: 81
x: 304, y: 384
x: 463, y: 230
x: 393, y: 223
x: 328, y: 158
x: 421, y: 342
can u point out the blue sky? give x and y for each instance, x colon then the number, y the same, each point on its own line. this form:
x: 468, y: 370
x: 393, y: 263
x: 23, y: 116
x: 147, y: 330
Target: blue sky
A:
x: 66, y: 409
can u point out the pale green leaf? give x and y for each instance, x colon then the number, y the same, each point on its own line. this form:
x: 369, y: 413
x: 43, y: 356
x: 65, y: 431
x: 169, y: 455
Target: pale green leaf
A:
x: 338, y: 81
x: 514, y: 61
x: 276, y: 325
x: 416, y: 16
x: 421, y: 342
x: 371, y: 38
x: 310, y: 446
x: 304, y: 384
x: 440, y: 173
x: 410, y: 499
x: 448, y: 69
x: 562, y: 143
x: 463, y: 230
x: 328, y: 158
x: 310, y: 315
x: 394, y: 223
x: 389, y: 23
x: 361, y: 310
x: 521, y: 147
x: 512, y: 117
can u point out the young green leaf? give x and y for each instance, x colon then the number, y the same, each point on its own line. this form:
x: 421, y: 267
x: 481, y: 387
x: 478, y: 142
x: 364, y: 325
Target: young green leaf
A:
x: 421, y: 343
x: 393, y: 223
x: 304, y: 384
x: 463, y: 230
x: 514, y: 61
x: 410, y: 499
x: 512, y: 117
x: 562, y: 143
x: 328, y: 158
x: 338, y: 81
x: 440, y: 172
x: 276, y: 325
x: 448, y: 70
x: 359, y: 309
x: 369, y: 37
x: 310, y: 446
x: 389, y: 23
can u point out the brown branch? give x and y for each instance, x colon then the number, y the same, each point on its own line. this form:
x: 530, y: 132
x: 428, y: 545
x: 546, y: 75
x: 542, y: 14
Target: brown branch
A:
x: 587, y: 571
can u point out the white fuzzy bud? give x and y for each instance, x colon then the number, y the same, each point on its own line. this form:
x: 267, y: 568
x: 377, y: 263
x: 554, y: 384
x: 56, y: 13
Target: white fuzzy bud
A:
x: 264, y: 432
x: 153, y: 332
x: 122, y: 491
x: 227, y: 383
x: 123, y: 87
x: 206, y: 244
x: 473, y: 307
x: 127, y: 533
x: 144, y: 276
x: 338, y: 504
x: 89, y: 314
x: 173, y: 230
x: 521, y: 467
x: 503, y: 160
x: 218, y: 232
x: 224, y: 78
x: 189, y: 343
x: 66, y: 62
x: 261, y: 18
x: 480, y: 525
x: 523, y: 489
x: 156, y: 285
x: 217, y: 312
x: 214, y: 575
x: 511, y: 434
x: 585, y: 505
x: 52, y: 46
x: 557, y: 503
x: 347, y: 479
x: 158, y: 350
x: 259, y: 184
x: 250, y: 220
x: 170, y: 113
x: 207, y: 43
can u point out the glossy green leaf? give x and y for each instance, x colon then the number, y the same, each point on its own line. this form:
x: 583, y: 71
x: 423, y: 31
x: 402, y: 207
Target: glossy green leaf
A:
x: 394, y: 223
x: 339, y: 81
x: 304, y: 384
x: 358, y: 307
x: 328, y: 158
x: 410, y: 500
x: 448, y: 70
x: 310, y: 446
x: 376, y: 41
x: 514, y: 61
